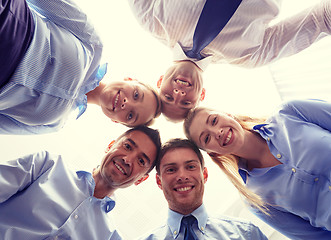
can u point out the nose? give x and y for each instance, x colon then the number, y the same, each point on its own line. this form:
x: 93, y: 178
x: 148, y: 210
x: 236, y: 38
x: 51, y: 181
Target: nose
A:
x: 219, y: 133
x: 178, y: 94
x: 128, y: 159
x: 182, y: 175
x: 124, y: 103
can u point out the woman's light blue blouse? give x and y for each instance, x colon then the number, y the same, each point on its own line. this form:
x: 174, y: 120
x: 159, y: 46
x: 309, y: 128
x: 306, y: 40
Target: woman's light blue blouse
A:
x: 58, y: 69
x: 298, y: 135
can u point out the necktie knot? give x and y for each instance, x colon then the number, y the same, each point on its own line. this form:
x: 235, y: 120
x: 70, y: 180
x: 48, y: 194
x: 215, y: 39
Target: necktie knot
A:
x: 187, y: 223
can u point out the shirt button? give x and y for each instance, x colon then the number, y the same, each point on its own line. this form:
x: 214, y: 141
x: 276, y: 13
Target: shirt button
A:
x: 175, y: 232
x: 268, y: 139
x: 278, y: 155
x: 294, y: 170
x: 330, y: 188
x: 202, y: 228
x: 316, y: 179
x: 76, y: 216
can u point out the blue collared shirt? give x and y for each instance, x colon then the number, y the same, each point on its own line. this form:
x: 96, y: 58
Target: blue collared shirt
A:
x: 40, y: 198
x: 60, y: 66
x: 207, y: 228
x: 299, y: 189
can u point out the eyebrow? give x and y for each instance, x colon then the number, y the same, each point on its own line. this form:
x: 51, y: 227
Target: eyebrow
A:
x: 136, y: 146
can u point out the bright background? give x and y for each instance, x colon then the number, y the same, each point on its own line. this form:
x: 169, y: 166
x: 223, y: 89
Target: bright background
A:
x: 132, y: 52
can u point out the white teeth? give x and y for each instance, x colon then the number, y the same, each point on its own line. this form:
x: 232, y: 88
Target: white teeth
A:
x: 116, y: 100
x: 119, y: 168
x: 228, y: 137
x: 182, y: 82
x: 183, y: 189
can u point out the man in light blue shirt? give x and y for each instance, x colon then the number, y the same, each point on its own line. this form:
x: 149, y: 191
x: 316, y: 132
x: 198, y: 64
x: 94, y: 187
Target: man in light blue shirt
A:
x: 181, y: 176
x: 41, y: 198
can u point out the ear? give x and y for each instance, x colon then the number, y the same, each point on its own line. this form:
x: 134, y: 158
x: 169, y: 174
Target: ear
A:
x: 128, y: 79
x: 158, y: 181
x: 159, y: 82
x: 203, y: 94
x: 141, y: 179
x: 109, y: 146
x: 205, y: 174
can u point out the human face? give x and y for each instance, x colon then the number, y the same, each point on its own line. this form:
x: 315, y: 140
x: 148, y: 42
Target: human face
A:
x: 216, y: 132
x: 182, y: 179
x: 128, y: 102
x: 128, y: 160
x: 180, y: 89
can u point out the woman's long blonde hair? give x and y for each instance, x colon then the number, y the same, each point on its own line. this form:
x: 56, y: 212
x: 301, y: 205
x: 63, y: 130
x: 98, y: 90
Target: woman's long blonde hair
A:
x: 229, y: 163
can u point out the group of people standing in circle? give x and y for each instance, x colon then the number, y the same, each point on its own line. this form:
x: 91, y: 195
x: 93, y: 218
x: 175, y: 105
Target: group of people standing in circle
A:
x: 50, y: 67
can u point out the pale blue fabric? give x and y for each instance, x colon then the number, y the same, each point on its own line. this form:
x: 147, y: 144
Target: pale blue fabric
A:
x: 41, y: 198
x: 60, y: 66
x: 299, y: 189
x: 207, y: 227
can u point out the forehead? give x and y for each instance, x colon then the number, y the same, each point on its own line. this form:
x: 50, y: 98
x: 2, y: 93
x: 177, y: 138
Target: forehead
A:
x: 142, y: 143
x: 178, y: 156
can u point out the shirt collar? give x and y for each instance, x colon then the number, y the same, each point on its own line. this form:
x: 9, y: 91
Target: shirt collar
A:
x: 179, y: 55
x: 106, y: 203
x: 174, y: 220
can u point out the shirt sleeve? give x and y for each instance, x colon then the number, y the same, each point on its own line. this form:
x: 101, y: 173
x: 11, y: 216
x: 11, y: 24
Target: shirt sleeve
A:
x: 9, y: 126
x: 292, y: 226
x: 18, y: 174
x: 68, y: 15
x: 317, y: 112
x: 294, y: 34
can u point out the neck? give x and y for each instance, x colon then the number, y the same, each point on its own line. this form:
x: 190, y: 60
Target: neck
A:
x: 185, y: 210
x: 102, y: 189
x: 256, y: 151
x: 93, y: 96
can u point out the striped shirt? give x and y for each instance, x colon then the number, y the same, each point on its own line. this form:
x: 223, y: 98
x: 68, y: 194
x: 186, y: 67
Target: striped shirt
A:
x: 247, y: 40
x: 59, y: 68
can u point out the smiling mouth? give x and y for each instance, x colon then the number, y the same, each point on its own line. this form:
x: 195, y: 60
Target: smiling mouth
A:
x: 183, y: 82
x: 120, y: 168
x: 183, y: 189
x: 228, y: 138
x: 115, y: 100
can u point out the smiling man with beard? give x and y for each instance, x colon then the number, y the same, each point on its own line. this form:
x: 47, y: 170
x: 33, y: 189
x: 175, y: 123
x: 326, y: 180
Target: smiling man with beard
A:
x: 41, y: 198
x: 181, y: 175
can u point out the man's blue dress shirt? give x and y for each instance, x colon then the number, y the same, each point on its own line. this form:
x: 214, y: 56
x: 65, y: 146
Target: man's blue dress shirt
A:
x: 40, y: 198
x: 60, y: 66
x: 206, y: 227
x: 299, y: 189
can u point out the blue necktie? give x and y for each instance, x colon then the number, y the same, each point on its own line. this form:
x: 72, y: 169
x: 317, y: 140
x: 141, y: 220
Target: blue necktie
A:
x: 187, y: 223
x: 214, y: 16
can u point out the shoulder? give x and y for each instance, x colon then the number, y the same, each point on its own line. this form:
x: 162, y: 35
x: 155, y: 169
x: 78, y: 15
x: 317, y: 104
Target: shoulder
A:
x: 232, y: 224
x: 157, y: 233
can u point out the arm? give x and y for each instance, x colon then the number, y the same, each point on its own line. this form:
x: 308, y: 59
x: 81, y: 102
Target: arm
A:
x: 317, y: 112
x: 294, y: 34
x: 292, y: 226
x: 18, y: 174
x: 68, y: 15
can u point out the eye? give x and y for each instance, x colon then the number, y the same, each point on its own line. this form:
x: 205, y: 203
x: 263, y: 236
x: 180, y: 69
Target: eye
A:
x: 168, y: 97
x: 186, y: 103
x: 214, y: 121
x: 191, y: 167
x: 170, y: 170
x: 207, y: 138
x: 141, y: 162
x: 135, y: 94
x: 129, y: 116
x: 127, y: 146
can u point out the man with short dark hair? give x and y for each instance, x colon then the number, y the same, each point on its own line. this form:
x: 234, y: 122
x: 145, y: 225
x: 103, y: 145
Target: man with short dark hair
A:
x: 181, y: 175
x: 41, y: 198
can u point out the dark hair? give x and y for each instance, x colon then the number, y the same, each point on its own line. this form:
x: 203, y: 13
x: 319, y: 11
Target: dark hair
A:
x: 153, y: 134
x: 178, y: 143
